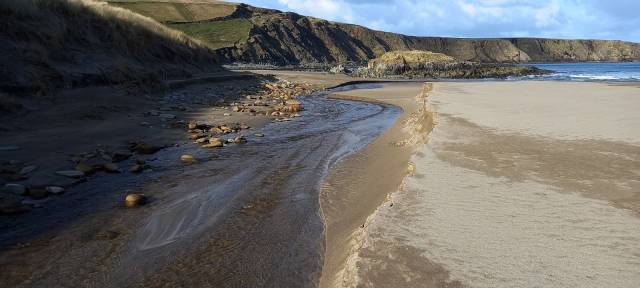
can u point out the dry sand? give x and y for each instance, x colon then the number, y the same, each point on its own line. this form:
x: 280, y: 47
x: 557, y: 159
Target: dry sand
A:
x: 522, y: 184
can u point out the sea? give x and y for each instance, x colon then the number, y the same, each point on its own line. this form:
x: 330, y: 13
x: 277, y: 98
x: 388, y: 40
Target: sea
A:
x: 597, y: 71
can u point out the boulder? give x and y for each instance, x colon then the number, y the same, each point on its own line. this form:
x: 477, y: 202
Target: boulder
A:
x: 192, y: 125
x: 135, y: 199
x: 188, y: 159
x: 215, y: 143
x: 240, y: 140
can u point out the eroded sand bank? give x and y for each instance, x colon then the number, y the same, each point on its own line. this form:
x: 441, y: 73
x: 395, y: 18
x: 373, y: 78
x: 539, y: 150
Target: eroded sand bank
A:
x: 362, y: 181
x: 522, y: 184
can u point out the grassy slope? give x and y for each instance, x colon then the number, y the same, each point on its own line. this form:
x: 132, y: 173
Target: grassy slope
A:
x: 197, y: 19
x: 50, y: 44
x: 217, y: 34
x: 177, y: 12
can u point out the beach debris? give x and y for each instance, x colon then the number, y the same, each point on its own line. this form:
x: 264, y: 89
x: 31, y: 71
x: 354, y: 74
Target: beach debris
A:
x: 135, y: 200
x: 55, y: 190
x: 188, y: 159
x: 70, y: 173
x: 258, y: 135
x: 15, y: 189
x: 136, y: 168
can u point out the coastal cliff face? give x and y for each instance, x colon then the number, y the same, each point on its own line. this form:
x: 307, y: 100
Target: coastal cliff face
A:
x: 242, y: 33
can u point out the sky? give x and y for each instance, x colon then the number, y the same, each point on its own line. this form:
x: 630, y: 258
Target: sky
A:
x: 584, y: 19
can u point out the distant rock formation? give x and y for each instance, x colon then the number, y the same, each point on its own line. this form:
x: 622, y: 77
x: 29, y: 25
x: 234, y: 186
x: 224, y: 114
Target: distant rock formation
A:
x: 426, y: 64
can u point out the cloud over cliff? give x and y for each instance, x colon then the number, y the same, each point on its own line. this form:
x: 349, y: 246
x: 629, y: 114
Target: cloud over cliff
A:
x: 598, y: 19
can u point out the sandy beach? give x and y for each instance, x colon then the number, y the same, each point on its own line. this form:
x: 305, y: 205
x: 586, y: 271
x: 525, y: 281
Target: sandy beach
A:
x: 521, y: 184
x: 362, y: 181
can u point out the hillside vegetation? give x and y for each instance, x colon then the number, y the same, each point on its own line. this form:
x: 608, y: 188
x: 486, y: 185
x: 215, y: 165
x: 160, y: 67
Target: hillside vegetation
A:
x: 275, y: 37
x: 50, y: 44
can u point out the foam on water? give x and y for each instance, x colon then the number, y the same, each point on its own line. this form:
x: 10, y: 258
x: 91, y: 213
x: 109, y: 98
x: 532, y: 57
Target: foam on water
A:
x: 612, y: 72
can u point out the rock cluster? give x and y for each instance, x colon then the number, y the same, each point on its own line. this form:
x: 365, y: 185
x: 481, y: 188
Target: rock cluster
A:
x: 16, y: 197
x: 426, y: 64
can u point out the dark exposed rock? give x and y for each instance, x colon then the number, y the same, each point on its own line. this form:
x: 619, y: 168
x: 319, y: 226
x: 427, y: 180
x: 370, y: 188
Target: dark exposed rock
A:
x: 426, y: 64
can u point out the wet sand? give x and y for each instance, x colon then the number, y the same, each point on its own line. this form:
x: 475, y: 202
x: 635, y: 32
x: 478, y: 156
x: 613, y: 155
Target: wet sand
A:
x: 522, y: 184
x: 361, y: 182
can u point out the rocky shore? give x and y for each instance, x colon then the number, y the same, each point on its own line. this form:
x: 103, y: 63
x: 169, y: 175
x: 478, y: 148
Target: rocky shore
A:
x: 28, y: 176
x: 425, y: 64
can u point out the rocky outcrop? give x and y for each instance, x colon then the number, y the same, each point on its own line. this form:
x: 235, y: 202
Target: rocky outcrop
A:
x: 288, y: 38
x: 426, y: 64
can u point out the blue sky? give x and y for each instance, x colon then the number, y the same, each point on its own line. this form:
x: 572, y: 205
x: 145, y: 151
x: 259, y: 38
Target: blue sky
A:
x: 599, y: 19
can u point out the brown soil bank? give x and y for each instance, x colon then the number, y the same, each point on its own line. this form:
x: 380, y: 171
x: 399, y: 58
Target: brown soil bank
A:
x: 362, y: 181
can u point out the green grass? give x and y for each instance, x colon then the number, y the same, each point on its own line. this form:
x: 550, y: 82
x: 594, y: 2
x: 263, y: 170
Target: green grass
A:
x: 177, y: 12
x: 217, y: 34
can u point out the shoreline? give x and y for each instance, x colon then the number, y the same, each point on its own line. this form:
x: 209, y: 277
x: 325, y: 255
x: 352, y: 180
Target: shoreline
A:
x: 368, y: 186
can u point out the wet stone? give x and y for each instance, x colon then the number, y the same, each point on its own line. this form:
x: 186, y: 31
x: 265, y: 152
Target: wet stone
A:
x: 135, y: 199
x: 55, y: 190
x: 70, y: 173
x: 15, y: 189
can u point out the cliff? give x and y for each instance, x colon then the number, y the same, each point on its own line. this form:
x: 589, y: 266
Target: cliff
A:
x: 242, y: 33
